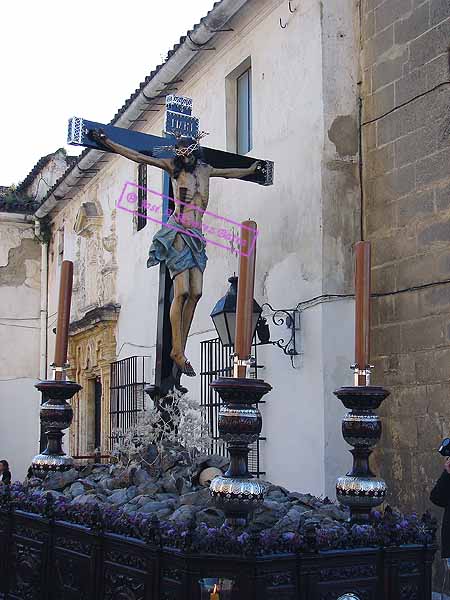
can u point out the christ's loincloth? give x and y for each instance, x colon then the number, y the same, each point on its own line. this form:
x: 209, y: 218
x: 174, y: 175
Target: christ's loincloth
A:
x: 192, y: 255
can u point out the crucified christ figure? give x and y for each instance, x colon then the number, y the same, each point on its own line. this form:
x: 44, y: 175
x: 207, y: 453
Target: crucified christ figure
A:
x: 183, y: 248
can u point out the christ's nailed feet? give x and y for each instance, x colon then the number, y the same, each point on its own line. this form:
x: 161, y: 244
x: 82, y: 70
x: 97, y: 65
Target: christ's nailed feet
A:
x: 188, y: 369
x: 183, y: 364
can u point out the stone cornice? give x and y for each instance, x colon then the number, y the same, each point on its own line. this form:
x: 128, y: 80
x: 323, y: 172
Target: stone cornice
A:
x: 96, y: 316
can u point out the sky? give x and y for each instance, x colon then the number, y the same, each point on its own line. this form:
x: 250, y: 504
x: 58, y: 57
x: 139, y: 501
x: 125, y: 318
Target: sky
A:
x: 84, y: 59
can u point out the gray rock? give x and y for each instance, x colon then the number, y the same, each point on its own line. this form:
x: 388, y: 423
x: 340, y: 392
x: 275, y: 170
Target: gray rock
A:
x: 86, y: 470
x: 135, y: 501
x: 301, y: 509
x: 132, y: 492
x: 76, y: 489
x: 58, y: 481
x: 110, y: 483
x: 184, y: 515
x: 176, y: 481
x: 169, y: 460
x: 334, y: 512
x: 306, y: 499
x: 267, y: 515
x: 200, y: 498
x: 211, y: 516
x: 88, y: 484
x: 277, y: 494
x: 129, y: 508
x: 118, y: 497
x: 86, y: 499
x: 164, y: 497
x: 151, y: 507
x: 164, y: 513
x: 290, y: 522
x: 169, y: 483
x: 149, y: 488
x: 221, y: 462
x: 141, y: 476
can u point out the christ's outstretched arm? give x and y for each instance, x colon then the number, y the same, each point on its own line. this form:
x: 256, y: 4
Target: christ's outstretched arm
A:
x: 161, y: 163
x: 235, y: 173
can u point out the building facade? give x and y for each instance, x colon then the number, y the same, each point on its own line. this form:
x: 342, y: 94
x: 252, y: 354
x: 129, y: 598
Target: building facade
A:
x: 23, y: 328
x: 279, y: 82
x: 406, y: 92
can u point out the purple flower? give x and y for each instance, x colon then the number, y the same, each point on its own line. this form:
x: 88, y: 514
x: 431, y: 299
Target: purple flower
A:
x: 243, y: 538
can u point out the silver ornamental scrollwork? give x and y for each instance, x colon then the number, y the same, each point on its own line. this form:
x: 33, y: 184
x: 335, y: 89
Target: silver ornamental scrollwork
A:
x: 238, y: 490
x: 360, y: 491
x: 76, y: 131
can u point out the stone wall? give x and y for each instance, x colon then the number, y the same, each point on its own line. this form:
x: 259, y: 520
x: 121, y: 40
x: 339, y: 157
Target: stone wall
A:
x: 406, y: 177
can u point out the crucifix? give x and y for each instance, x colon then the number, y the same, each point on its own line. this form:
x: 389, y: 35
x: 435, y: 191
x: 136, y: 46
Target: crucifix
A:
x: 178, y: 248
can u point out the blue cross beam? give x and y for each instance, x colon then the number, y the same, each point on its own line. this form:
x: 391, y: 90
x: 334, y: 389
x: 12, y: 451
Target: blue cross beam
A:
x: 179, y: 122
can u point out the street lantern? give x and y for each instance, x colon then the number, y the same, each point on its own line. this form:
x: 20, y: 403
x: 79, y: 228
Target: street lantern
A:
x: 224, y: 315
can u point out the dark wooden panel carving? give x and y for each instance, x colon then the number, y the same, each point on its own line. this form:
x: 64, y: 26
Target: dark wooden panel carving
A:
x: 43, y: 560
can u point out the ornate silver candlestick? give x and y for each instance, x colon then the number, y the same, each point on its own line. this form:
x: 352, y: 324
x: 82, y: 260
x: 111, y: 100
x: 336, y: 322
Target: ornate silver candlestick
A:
x: 56, y: 414
x: 360, y: 489
x: 237, y: 493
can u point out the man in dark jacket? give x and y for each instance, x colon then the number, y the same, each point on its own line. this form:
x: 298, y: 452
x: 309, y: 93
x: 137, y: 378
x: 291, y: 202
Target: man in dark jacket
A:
x: 440, y: 496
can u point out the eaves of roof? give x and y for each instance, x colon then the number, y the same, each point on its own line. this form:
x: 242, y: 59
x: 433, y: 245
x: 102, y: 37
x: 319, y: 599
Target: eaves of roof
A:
x: 41, y: 163
x: 165, y: 74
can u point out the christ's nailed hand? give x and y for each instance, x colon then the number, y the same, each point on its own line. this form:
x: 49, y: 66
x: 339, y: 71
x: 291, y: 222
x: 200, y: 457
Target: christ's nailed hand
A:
x: 256, y: 166
x: 98, y: 135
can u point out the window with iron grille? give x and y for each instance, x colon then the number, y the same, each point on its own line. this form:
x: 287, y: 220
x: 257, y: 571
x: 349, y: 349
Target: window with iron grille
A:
x: 129, y: 377
x: 216, y: 361
x: 142, y: 197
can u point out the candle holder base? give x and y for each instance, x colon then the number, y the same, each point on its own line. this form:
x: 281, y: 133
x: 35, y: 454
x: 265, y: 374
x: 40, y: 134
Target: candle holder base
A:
x: 237, y: 497
x: 56, y: 414
x: 360, y: 489
x: 44, y: 463
x: 237, y: 493
x: 360, y: 493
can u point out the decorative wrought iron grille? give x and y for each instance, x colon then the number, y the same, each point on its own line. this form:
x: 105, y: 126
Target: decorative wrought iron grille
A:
x: 216, y: 361
x: 142, y: 197
x: 129, y: 377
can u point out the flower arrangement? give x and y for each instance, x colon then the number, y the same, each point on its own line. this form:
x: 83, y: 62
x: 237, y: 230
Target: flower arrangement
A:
x: 180, y: 420
x: 387, y: 529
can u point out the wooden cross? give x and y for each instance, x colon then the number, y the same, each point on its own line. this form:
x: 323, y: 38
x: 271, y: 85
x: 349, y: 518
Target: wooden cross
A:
x: 179, y: 122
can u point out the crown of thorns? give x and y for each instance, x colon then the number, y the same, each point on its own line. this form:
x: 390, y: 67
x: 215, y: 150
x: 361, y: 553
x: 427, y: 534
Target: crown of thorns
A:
x: 185, y: 150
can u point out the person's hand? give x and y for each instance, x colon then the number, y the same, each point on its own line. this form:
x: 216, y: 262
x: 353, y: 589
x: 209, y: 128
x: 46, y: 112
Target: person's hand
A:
x: 256, y: 166
x: 447, y: 465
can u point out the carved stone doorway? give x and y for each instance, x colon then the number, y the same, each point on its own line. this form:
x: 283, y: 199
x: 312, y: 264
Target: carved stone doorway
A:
x: 92, y: 349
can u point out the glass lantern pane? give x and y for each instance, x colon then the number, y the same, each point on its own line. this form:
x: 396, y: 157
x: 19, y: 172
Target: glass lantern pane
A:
x: 231, y: 319
x: 221, y: 328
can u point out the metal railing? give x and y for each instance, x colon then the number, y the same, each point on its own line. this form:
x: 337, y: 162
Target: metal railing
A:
x: 216, y: 361
x: 129, y: 377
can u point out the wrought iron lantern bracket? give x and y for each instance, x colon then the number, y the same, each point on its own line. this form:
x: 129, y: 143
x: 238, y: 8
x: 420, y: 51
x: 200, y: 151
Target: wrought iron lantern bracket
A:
x: 287, y: 317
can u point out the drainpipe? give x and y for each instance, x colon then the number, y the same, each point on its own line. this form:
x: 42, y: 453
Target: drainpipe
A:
x: 44, y: 303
